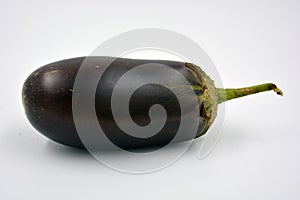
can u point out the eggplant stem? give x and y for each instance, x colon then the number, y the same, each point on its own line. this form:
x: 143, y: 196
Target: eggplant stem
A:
x: 231, y: 93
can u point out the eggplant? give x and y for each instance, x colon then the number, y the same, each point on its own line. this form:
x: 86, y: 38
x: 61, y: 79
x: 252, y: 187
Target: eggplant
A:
x: 47, y: 99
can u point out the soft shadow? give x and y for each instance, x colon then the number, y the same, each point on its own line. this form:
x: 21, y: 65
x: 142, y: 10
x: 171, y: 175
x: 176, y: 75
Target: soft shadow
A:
x: 26, y: 140
x: 56, y: 148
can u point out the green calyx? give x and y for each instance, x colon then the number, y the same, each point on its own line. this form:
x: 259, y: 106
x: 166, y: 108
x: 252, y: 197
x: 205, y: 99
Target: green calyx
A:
x: 208, y: 100
x: 212, y: 96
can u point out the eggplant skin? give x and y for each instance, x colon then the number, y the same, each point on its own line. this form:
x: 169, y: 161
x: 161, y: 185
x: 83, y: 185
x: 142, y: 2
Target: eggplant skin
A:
x: 47, y: 100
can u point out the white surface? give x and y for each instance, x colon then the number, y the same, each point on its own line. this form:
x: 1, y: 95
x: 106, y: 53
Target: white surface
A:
x: 249, y: 41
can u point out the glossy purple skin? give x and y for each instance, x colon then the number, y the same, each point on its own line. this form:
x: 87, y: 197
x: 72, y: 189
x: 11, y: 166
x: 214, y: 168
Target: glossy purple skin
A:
x: 47, y: 98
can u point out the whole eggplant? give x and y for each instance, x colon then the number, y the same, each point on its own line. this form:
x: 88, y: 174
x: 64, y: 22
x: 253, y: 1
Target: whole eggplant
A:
x: 48, y: 91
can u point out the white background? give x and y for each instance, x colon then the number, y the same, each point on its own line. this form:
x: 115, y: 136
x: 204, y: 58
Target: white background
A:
x: 250, y: 42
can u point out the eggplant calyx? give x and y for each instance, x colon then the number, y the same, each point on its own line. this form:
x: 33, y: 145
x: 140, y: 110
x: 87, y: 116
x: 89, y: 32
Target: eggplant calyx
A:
x: 208, y: 101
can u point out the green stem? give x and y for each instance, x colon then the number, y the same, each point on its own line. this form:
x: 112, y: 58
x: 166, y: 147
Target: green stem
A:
x: 228, y: 94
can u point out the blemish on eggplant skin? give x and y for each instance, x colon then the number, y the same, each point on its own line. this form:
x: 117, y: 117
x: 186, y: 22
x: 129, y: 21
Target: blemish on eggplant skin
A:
x: 97, y: 67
